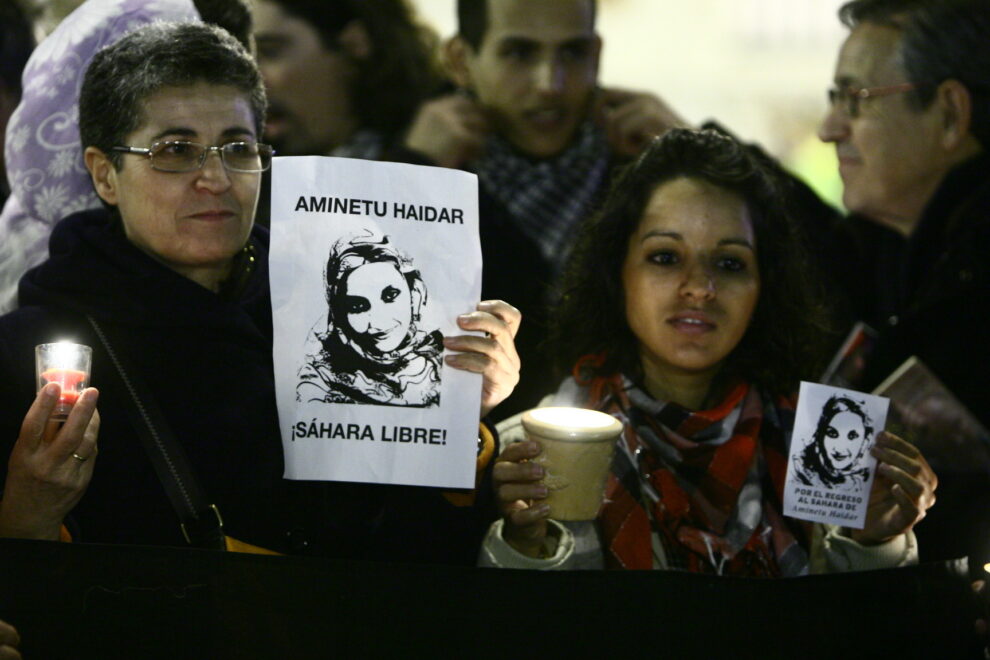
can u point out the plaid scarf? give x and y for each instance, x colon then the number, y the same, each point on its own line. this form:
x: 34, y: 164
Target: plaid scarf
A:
x: 702, y: 489
x: 546, y: 199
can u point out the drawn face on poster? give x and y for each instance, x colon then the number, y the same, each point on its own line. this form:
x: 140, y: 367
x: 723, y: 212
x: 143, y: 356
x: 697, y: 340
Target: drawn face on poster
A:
x: 835, y: 455
x: 370, y: 349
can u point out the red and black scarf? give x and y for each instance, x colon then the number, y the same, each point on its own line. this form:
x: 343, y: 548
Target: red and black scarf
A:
x: 705, y: 485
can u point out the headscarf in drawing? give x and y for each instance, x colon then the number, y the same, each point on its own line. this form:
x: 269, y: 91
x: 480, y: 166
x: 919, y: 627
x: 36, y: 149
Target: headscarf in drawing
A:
x: 373, y: 350
x: 831, y: 460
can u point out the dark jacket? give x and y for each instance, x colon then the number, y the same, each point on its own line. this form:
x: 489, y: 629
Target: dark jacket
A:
x: 207, y: 360
x: 931, y: 292
x: 927, y: 296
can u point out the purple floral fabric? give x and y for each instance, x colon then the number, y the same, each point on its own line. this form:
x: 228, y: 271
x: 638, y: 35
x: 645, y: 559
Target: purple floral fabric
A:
x: 45, y: 170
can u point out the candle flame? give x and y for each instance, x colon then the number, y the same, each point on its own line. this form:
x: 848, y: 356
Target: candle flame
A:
x: 573, y: 418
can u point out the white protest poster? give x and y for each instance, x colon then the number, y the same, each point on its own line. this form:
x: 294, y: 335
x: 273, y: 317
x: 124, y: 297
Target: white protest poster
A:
x: 830, y: 469
x: 371, y: 263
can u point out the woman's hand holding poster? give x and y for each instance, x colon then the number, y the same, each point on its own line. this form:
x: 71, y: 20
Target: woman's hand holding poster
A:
x: 831, y: 470
x: 371, y: 263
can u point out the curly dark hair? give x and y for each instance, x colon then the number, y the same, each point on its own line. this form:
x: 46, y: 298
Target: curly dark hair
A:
x: 787, y: 336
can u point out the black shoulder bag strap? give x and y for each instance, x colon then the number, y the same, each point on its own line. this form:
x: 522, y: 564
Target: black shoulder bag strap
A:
x: 200, y: 521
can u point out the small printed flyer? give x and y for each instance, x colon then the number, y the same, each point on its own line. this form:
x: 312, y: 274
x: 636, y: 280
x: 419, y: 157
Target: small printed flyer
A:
x: 371, y: 263
x: 830, y: 469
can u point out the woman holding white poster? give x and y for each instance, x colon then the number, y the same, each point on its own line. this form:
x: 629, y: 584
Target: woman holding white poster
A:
x: 169, y: 285
x: 688, y: 315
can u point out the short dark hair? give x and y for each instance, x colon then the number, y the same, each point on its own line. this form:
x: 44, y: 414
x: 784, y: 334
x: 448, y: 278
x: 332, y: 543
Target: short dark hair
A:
x: 234, y: 16
x: 788, y: 333
x: 121, y: 77
x: 16, y: 44
x: 402, y: 71
x: 472, y: 20
x: 942, y: 39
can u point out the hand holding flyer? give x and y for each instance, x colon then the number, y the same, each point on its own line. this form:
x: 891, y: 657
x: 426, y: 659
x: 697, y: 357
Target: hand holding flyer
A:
x: 833, y: 475
x: 371, y: 265
x: 831, y: 469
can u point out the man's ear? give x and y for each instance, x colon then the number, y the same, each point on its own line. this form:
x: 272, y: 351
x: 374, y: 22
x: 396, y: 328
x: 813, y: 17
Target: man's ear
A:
x: 956, y: 106
x: 103, y: 174
x: 456, y: 53
x: 355, y: 40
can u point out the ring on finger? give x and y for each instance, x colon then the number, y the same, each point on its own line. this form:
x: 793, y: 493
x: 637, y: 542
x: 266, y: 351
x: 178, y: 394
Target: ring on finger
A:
x: 81, y: 459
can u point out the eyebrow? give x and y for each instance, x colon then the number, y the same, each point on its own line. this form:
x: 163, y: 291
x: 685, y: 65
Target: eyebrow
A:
x: 513, y: 40
x: 530, y: 42
x: 233, y: 131
x: 583, y: 41
x: 742, y: 242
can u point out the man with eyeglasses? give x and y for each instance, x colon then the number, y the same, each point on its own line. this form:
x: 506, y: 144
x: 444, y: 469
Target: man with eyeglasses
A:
x: 910, y: 120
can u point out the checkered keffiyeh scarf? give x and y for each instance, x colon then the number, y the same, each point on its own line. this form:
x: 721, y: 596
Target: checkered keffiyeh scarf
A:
x: 701, y: 487
x: 547, y: 199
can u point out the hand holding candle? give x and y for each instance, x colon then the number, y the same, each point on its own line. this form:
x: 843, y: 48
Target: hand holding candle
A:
x: 49, y: 467
x: 68, y: 365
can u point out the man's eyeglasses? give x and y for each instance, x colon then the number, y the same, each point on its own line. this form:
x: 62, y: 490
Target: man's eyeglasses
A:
x: 178, y: 156
x: 850, y: 97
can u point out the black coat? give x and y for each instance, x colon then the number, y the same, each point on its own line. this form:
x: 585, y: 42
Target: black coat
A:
x: 207, y: 360
x: 927, y: 296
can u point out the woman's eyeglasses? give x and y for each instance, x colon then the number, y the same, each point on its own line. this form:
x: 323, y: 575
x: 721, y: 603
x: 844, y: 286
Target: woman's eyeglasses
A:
x: 179, y: 156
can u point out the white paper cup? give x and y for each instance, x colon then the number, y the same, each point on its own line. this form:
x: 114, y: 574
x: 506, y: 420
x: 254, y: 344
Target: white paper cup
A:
x: 577, y: 452
x: 68, y: 365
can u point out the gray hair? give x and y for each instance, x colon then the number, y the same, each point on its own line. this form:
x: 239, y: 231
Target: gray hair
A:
x: 942, y: 39
x: 123, y: 76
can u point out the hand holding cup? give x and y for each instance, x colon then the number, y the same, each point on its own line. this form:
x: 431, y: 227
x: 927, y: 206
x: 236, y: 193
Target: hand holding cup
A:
x: 559, y: 471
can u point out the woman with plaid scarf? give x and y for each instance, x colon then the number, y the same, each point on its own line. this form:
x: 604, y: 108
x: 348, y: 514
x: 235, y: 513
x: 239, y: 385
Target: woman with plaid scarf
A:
x: 689, y: 313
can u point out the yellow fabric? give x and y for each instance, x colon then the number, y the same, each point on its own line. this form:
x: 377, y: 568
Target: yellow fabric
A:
x: 466, y: 497
x: 233, y: 545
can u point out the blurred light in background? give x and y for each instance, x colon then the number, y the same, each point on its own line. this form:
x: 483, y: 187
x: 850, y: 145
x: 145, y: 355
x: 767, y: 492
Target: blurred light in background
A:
x: 759, y: 67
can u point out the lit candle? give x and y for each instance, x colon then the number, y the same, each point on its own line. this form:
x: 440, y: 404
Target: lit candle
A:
x: 68, y: 365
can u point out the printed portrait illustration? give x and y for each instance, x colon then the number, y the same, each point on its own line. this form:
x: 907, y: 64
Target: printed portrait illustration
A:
x: 370, y: 349
x: 835, y: 455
